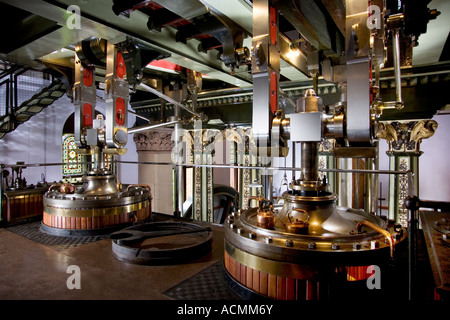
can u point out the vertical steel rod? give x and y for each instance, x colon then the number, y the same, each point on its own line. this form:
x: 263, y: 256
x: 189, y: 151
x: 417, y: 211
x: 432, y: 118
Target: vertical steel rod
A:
x: 397, y: 70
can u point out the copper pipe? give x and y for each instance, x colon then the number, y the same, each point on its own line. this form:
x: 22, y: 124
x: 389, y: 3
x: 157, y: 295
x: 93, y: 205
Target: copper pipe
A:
x: 388, y: 236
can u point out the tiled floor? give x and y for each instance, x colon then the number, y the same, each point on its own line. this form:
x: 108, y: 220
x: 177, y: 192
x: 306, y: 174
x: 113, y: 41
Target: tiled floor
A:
x: 32, y: 270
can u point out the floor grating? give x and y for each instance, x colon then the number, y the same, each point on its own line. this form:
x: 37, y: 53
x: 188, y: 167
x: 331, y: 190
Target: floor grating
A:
x: 208, y: 284
x: 31, y: 230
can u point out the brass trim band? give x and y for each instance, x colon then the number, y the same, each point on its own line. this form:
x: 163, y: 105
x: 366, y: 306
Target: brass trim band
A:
x: 95, y: 212
x: 294, y: 271
x: 279, y: 268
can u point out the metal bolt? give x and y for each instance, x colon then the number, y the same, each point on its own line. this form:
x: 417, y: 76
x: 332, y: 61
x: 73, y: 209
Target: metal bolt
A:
x: 312, y: 245
x: 239, y: 230
x: 231, y: 226
x: 335, y: 246
x: 374, y: 244
x: 268, y: 240
x: 252, y: 235
x: 356, y: 245
x: 289, y: 243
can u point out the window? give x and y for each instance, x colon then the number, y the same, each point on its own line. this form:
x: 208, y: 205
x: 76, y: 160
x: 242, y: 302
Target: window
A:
x: 72, y: 167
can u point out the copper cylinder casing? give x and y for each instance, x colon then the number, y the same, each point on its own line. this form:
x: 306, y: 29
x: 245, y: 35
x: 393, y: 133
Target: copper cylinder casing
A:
x: 282, y: 287
x: 304, y: 263
x: 97, y: 204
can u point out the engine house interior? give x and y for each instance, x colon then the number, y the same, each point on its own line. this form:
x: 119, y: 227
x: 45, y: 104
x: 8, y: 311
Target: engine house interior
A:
x: 296, y: 148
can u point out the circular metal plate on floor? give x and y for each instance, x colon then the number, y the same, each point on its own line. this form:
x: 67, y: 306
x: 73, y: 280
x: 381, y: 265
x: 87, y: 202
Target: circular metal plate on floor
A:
x: 161, y: 243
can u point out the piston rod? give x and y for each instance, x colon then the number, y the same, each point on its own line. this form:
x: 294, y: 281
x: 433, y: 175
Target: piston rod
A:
x: 398, y: 74
x: 152, y: 126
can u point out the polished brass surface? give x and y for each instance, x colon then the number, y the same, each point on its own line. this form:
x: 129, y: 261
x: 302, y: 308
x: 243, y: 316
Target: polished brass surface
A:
x: 241, y: 231
x: 320, y: 210
x: 279, y: 268
x: 59, y: 200
x: 95, y: 212
x: 295, y: 225
x: 98, y: 185
x: 100, y: 196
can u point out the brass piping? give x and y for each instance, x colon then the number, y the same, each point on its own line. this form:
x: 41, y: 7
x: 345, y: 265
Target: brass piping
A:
x: 388, y: 236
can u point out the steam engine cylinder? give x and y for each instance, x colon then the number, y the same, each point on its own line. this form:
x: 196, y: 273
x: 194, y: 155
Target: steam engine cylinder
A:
x: 94, y: 208
x: 313, y: 251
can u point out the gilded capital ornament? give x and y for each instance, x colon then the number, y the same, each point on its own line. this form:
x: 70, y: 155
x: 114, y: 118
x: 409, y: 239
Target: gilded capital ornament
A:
x: 405, y: 137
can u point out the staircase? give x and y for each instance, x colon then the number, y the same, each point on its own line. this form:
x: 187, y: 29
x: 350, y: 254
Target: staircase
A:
x: 13, y: 88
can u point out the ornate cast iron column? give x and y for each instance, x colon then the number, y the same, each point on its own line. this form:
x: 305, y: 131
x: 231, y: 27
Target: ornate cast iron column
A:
x: 203, y: 202
x: 244, y: 144
x: 404, y: 139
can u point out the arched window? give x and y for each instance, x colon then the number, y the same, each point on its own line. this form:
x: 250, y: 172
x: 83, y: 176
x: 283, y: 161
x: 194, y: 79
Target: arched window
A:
x: 72, y: 167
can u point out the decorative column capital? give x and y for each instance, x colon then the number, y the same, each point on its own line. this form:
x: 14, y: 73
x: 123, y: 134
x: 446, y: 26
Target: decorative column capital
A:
x: 154, y: 140
x: 243, y: 138
x: 405, y: 136
x: 327, y: 146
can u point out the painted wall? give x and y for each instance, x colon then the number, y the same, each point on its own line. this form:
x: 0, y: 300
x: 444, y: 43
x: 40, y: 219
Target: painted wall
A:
x: 39, y: 141
x: 434, y: 171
